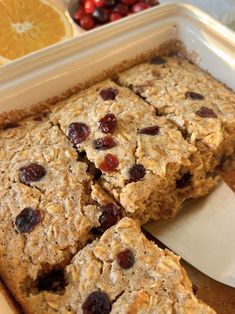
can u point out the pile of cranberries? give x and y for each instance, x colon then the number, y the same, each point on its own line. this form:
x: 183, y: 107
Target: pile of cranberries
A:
x: 92, y: 13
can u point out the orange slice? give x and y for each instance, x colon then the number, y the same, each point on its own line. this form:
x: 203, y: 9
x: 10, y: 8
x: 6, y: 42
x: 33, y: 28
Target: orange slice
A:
x: 29, y: 25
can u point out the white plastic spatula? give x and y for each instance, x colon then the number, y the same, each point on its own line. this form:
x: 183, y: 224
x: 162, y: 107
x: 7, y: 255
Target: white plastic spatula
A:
x: 203, y: 234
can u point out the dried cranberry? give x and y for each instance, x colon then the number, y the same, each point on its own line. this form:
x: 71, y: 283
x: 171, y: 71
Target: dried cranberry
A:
x: 53, y: 281
x: 78, y: 132
x: 125, y: 259
x: 151, y: 130
x: 103, y: 143
x: 184, y: 180
x: 109, y: 93
x: 121, y: 9
x: 158, y: 60
x: 139, y: 6
x: 136, y: 173
x: 10, y: 125
x: 110, y: 215
x: 108, y: 123
x: 32, y: 173
x: 97, y: 303
x: 27, y: 220
x: 87, y: 22
x: 194, y: 96
x: 110, y: 163
x: 205, y: 112
x: 100, y: 15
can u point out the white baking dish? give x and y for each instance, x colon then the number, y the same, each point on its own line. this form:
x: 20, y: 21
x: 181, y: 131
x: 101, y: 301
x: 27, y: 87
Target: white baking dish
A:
x: 49, y: 72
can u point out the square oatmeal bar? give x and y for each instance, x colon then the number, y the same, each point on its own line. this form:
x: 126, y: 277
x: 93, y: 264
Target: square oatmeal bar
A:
x: 48, y: 205
x: 121, y: 273
x: 202, y: 108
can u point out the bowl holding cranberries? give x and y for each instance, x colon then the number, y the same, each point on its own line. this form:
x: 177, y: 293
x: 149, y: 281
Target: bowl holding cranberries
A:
x: 89, y: 14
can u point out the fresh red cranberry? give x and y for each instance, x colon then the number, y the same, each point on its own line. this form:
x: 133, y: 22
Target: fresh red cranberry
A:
x: 52, y: 281
x: 97, y: 303
x: 108, y: 123
x: 194, y: 96
x: 109, y: 3
x: 99, y: 3
x: 110, y: 163
x: 125, y: 259
x: 101, y: 15
x: 79, y: 13
x: 78, y: 132
x: 110, y: 215
x: 115, y: 17
x: 87, y: 22
x: 150, y: 130
x: 129, y: 2
x: 105, y: 142
x: 184, y: 180
x: 205, y: 112
x: 27, y: 220
x: 136, y: 173
x: 158, y: 60
x: 140, y: 6
x: 121, y: 9
x: 32, y: 173
x: 109, y: 93
x: 10, y: 125
x: 89, y: 6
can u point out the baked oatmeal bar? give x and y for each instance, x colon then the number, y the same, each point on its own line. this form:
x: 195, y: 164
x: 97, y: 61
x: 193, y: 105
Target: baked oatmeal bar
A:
x: 202, y: 108
x: 48, y: 204
x: 146, y: 163
x: 120, y: 273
